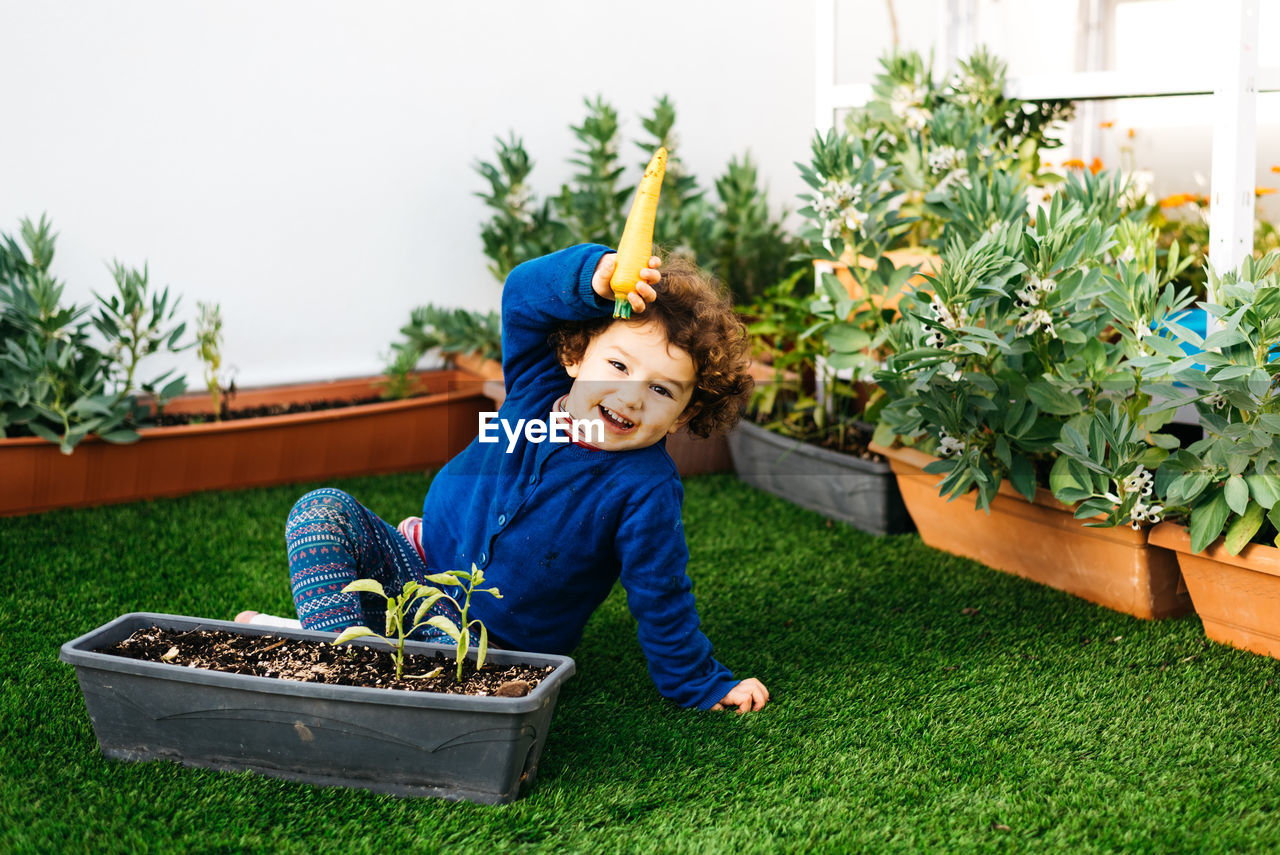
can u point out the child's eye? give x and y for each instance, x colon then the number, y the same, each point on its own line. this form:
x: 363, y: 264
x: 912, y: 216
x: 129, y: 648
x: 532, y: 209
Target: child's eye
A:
x: 618, y: 365
x: 662, y: 390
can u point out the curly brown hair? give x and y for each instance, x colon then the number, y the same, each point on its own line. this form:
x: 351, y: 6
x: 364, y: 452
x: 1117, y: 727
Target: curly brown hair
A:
x: 697, y: 316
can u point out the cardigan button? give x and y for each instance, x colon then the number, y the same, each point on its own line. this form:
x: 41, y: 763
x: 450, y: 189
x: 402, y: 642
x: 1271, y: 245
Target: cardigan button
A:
x: 502, y: 519
x: 484, y: 558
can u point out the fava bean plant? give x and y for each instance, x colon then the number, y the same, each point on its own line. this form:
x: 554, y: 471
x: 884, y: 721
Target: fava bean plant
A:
x: 418, y: 599
x: 1023, y: 358
x: 1227, y: 484
x: 56, y: 381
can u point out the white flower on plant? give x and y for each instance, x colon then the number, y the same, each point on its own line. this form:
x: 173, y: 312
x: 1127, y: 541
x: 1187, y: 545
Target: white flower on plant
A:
x: 826, y: 206
x: 1035, y: 320
x: 1128, y: 255
x: 1144, y: 513
x: 943, y: 316
x: 1137, y: 189
x: 518, y: 198
x: 841, y: 192
x: 1035, y: 290
x: 950, y: 370
x: 854, y: 219
x: 948, y: 445
x: 1037, y: 196
x: 831, y: 229
x: 917, y: 118
x: 1139, y: 483
x: 904, y: 97
x: 943, y: 159
x: 1214, y: 400
x: 956, y: 176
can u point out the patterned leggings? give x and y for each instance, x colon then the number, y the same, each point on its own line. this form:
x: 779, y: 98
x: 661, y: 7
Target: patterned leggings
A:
x: 333, y: 540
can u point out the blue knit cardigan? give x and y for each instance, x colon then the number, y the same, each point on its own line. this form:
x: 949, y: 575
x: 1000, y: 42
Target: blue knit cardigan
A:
x: 554, y: 524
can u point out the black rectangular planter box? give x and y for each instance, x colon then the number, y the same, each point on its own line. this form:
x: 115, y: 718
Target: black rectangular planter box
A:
x: 862, y: 493
x: 481, y: 749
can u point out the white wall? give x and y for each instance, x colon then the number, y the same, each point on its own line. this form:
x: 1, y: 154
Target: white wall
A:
x: 308, y: 164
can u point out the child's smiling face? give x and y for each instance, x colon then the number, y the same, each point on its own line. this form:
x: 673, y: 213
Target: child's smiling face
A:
x: 635, y: 382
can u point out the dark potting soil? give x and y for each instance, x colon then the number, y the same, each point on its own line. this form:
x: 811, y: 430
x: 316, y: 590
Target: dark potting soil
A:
x: 854, y: 441
x: 231, y: 414
x: 319, y: 662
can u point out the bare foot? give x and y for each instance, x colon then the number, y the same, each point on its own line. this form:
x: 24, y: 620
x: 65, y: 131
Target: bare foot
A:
x: 246, y: 616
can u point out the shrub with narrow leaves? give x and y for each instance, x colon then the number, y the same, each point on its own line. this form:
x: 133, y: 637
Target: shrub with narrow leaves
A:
x: 1227, y: 484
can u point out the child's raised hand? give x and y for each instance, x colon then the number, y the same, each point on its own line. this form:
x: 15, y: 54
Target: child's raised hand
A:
x: 639, y: 298
x: 748, y: 695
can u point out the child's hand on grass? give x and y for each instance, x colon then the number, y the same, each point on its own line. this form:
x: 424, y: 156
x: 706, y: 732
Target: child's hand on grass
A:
x: 639, y: 298
x: 748, y: 695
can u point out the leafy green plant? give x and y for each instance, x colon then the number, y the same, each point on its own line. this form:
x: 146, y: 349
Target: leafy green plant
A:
x: 209, y: 349
x: 455, y: 332
x: 521, y: 227
x: 734, y: 236
x: 748, y: 247
x: 419, y: 599
x: 1228, y: 483
x: 942, y: 135
x: 682, y: 225
x: 53, y: 380
x: 397, y: 382
x: 139, y: 323
x: 1029, y: 345
x: 592, y: 203
x: 824, y: 347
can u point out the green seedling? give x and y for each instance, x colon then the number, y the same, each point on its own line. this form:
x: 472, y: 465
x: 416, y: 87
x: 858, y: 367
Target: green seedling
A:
x: 425, y: 596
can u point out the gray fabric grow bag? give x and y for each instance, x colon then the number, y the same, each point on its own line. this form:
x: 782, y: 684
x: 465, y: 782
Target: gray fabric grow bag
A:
x: 481, y: 749
x: 862, y: 493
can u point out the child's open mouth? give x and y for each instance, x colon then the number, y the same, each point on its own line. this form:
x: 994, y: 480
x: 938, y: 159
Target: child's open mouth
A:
x: 614, y: 420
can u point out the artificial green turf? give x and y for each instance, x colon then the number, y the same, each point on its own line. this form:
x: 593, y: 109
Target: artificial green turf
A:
x: 898, y: 721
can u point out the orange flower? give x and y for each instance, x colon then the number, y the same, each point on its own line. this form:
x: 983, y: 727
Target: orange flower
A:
x: 1263, y: 191
x: 1096, y: 166
x: 1105, y: 124
x: 1046, y: 164
x: 1073, y: 163
x: 1130, y: 133
x: 1275, y: 169
x: 1178, y: 199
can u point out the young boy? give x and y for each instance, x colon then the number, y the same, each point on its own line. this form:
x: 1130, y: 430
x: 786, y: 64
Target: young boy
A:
x: 554, y: 524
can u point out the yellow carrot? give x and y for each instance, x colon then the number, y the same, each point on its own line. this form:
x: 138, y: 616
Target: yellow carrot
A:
x: 636, y: 246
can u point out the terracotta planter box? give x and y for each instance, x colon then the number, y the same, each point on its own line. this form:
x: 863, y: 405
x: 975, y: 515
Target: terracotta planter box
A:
x: 489, y: 370
x: 1042, y: 541
x: 389, y: 436
x: 1236, y: 596
x: 481, y: 749
x: 860, y: 492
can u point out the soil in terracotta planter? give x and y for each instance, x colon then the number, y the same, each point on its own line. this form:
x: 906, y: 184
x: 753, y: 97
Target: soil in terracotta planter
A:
x: 855, y: 442
x: 231, y: 414
x: 309, y: 661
